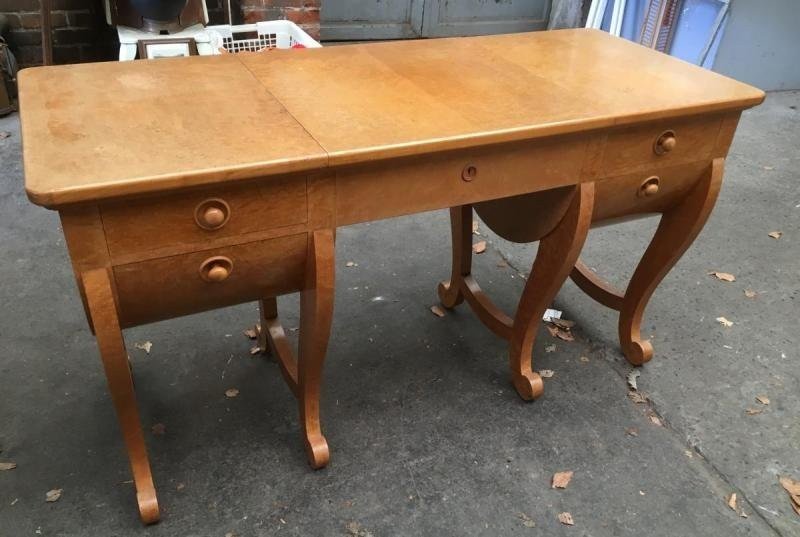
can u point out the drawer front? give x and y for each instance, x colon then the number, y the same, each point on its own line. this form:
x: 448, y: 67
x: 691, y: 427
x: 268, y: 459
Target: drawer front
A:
x: 659, y: 144
x: 200, y: 217
x: 645, y: 193
x: 412, y: 185
x: 168, y: 287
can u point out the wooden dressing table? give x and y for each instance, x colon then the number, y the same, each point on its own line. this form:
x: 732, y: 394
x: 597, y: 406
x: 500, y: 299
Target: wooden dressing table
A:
x: 542, y: 134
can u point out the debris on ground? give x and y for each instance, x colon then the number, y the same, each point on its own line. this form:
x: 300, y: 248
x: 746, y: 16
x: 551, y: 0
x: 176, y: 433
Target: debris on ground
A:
x: 527, y: 521
x: 637, y: 397
x: 550, y: 314
x: 763, y: 399
x: 655, y: 420
x: 355, y: 529
x: 775, y: 234
x: 557, y: 331
x: 158, y: 429
x: 251, y: 333
x: 5, y: 466
x: 724, y: 276
x: 724, y: 322
x: 632, y: 431
x: 546, y: 373
x: 231, y: 393
x: 561, y: 479
x: 753, y: 411
x: 566, y: 519
x: 351, y: 264
x: 479, y: 247
x: 633, y: 374
x: 584, y: 359
x: 749, y: 293
x: 792, y: 488
x: 146, y: 346
x: 437, y: 310
x: 475, y: 228
x: 549, y: 348
x: 53, y: 495
x: 4, y: 135
x: 732, y: 501
x: 255, y: 350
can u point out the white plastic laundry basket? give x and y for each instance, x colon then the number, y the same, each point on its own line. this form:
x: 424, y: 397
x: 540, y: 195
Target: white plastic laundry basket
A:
x: 259, y: 36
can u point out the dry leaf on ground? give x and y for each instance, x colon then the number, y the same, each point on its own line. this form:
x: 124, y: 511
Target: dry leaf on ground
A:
x: 475, y: 227
x: 146, y: 346
x: 479, y: 247
x: 637, y: 397
x: 560, y: 333
x: 180, y: 486
x: 561, y: 479
x: 251, y: 333
x: 4, y: 466
x: 584, y: 359
x: 792, y: 487
x: 437, y: 310
x: 562, y: 323
x: 763, y: 399
x: 724, y: 322
x: 753, y: 411
x: 749, y: 293
x: 231, y: 393
x: 4, y: 135
x: 566, y: 519
x: 724, y: 276
x: 546, y: 373
x: 355, y: 529
x: 732, y: 501
x: 655, y: 420
x: 775, y: 234
x: 53, y: 495
x: 158, y: 428
x: 632, y: 431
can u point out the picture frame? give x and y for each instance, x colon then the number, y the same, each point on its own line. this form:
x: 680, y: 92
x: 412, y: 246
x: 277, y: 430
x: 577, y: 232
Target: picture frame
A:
x: 151, y: 49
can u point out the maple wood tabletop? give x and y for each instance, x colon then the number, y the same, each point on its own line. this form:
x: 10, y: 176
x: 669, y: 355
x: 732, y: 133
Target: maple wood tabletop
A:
x: 94, y: 131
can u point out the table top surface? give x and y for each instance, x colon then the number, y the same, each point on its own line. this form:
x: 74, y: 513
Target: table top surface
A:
x: 93, y: 131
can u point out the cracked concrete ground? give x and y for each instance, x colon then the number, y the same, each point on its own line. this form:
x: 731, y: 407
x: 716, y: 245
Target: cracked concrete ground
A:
x: 427, y: 436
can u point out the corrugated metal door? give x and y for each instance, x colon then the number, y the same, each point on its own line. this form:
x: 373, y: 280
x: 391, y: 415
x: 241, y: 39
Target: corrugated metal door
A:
x: 399, y: 19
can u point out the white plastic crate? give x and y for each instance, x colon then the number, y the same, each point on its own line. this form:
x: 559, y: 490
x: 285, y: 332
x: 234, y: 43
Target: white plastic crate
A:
x: 259, y: 36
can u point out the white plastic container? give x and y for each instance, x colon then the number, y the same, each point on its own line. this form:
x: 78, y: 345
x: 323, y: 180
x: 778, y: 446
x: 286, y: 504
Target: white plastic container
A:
x: 259, y: 36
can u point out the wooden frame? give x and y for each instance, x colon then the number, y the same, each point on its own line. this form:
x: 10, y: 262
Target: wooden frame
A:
x: 144, y: 44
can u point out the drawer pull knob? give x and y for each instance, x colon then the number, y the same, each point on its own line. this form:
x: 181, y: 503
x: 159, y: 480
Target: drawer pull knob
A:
x: 212, y: 214
x: 649, y: 187
x: 469, y: 172
x: 665, y: 143
x: 216, y: 269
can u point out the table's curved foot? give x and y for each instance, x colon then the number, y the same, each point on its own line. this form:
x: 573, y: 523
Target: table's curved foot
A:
x: 450, y: 292
x: 677, y: 230
x: 557, y: 254
x: 316, y: 315
x: 103, y: 312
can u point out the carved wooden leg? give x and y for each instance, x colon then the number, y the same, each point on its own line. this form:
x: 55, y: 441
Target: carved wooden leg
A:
x: 316, y: 315
x: 677, y: 230
x: 557, y: 254
x: 103, y: 310
x: 450, y: 293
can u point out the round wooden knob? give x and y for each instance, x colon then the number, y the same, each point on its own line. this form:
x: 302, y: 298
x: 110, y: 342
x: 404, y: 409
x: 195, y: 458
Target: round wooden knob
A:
x: 469, y: 172
x: 216, y: 269
x: 649, y: 187
x: 217, y: 273
x: 212, y: 214
x: 665, y: 143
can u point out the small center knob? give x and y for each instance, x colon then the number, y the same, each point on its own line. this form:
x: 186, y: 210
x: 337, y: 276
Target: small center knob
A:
x: 214, y: 216
x: 650, y: 189
x: 218, y: 273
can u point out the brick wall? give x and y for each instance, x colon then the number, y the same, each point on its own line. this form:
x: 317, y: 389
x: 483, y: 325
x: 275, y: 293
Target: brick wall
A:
x: 80, y: 32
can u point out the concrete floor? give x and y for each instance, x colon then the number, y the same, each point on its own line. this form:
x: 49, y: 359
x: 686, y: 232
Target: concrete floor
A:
x: 427, y: 436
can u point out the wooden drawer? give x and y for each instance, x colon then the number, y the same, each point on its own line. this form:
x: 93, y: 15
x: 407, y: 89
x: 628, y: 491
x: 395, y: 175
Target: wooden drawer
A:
x: 411, y: 185
x: 645, y: 193
x: 168, y: 287
x: 171, y: 224
x: 659, y: 144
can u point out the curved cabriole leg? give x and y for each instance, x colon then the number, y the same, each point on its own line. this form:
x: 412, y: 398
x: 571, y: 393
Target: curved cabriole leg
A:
x: 677, y: 230
x: 103, y: 311
x: 450, y: 292
x: 316, y: 314
x: 557, y: 254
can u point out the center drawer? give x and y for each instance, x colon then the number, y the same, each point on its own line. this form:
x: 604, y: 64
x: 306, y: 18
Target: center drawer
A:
x: 168, y: 287
x: 196, y: 219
